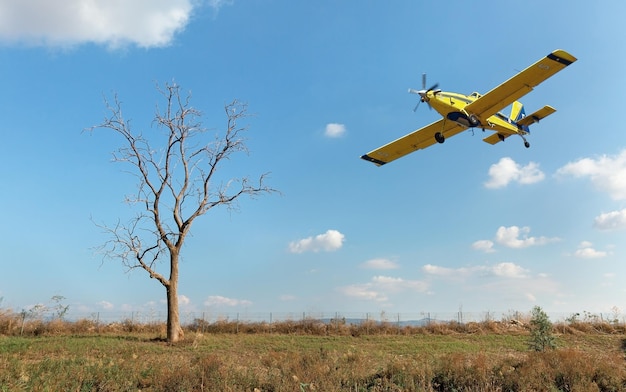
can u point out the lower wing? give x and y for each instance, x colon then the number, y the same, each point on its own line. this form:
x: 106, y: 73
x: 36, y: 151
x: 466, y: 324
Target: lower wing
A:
x: 417, y: 140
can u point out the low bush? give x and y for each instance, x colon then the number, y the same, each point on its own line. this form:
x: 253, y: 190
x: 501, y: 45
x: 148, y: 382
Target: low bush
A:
x: 12, y: 324
x: 541, y: 337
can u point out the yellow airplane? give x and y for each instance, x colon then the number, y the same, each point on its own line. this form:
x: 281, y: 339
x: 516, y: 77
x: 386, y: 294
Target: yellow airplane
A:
x: 461, y: 112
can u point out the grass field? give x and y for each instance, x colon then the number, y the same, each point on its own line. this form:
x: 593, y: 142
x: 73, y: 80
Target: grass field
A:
x: 299, y: 357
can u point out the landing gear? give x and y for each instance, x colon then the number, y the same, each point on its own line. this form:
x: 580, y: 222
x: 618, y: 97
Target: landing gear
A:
x: 526, y: 144
x: 439, y: 137
x: 474, y: 121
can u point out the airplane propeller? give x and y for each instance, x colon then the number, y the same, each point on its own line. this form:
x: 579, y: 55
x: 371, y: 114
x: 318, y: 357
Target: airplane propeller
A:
x: 423, y: 93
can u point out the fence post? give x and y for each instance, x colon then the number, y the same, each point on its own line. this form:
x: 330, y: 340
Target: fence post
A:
x: 398, y: 325
x: 23, y: 320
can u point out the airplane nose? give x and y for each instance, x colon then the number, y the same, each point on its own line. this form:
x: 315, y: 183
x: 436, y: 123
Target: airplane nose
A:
x: 423, y: 93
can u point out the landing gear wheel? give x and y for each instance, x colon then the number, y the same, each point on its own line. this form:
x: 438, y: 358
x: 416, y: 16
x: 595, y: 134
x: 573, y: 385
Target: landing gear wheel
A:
x: 474, y: 121
x: 526, y: 144
x: 439, y: 137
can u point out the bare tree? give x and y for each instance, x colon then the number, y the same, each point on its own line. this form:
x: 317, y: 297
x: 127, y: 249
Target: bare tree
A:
x: 177, y: 183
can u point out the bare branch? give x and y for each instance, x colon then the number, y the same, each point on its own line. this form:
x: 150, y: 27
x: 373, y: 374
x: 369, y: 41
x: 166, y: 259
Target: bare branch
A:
x: 125, y: 244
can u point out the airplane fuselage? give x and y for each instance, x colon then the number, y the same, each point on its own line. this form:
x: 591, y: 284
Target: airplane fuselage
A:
x: 452, y: 107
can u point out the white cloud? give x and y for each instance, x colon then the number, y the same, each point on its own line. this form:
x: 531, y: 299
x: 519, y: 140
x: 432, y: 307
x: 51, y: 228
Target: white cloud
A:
x: 397, y: 284
x: 505, y: 270
x: 218, y: 300
x: 330, y: 241
x: 586, y: 251
x: 217, y: 4
x: 114, y: 23
x: 508, y: 270
x: 504, y: 281
x: 445, y: 271
x: 607, y: 173
x: 106, y: 305
x: 334, y: 130
x: 611, y: 220
x: 590, y: 253
x: 517, y: 237
x: 183, y: 300
x: 379, y: 264
x: 507, y: 170
x: 484, y: 245
x: 379, y: 288
x: 512, y: 237
x: 364, y: 292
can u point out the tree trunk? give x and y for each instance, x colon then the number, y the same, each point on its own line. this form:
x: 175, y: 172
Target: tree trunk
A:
x: 174, y: 331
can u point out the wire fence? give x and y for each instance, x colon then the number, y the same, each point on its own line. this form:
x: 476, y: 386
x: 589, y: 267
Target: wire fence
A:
x: 352, y: 318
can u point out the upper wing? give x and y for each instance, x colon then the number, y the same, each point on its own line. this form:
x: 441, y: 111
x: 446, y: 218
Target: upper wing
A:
x: 520, y: 84
x: 422, y: 138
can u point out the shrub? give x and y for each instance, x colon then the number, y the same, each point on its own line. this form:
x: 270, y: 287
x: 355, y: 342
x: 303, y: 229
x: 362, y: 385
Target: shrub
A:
x: 541, y: 337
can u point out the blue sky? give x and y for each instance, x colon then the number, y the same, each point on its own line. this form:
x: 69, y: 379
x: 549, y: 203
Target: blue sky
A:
x: 463, y: 224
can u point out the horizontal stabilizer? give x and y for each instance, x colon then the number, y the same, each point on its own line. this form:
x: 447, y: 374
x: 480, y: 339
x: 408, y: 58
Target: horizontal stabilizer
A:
x: 536, y: 116
x: 495, y: 138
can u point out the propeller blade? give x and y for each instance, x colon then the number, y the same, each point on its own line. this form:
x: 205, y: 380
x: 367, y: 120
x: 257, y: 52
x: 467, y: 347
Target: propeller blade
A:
x: 418, y: 105
x: 434, y: 86
x: 422, y: 93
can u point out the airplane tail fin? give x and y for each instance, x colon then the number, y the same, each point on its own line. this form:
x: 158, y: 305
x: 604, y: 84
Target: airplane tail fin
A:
x: 518, y: 113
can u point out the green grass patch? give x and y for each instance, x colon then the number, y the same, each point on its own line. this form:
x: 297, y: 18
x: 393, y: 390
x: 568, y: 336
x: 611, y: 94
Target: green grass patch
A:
x: 297, y: 362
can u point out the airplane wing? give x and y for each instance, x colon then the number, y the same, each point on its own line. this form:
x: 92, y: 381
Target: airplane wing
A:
x: 422, y: 138
x: 519, y: 85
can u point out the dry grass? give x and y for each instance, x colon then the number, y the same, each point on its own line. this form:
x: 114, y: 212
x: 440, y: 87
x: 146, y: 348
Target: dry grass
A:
x: 305, y: 356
